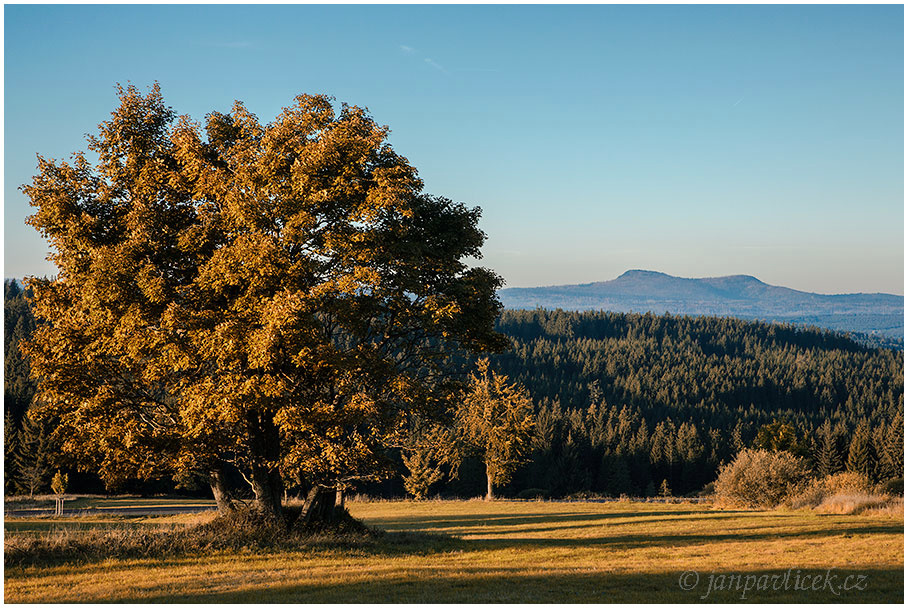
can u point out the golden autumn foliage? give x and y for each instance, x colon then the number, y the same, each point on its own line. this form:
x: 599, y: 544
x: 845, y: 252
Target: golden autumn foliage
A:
x: 279, y: 297
x: 495, y: 420
x: 430, y: 448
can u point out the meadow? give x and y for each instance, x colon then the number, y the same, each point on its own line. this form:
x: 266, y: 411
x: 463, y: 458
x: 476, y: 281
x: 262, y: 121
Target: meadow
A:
x: 504, y: 551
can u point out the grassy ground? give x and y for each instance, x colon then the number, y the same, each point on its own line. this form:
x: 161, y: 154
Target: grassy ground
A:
x: 42, y: 524
x: 472, y: 551
x: 96, y: 502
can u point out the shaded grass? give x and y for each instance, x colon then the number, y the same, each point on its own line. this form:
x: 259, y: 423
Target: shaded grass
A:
x: 240, y: 530
x: 101, y: 502
x: 506, y: 552
x: 44, y: 524
x: 519, y: 586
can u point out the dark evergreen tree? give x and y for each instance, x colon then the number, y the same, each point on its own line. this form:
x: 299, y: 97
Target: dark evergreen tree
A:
x: 650, y: 490
x: 18, y: 387
x: 889, y: 447
x: 861, y: 457
x: 779, y: 435
x: 10, y: 450
x: 34, y: 457
x: 827, y: 455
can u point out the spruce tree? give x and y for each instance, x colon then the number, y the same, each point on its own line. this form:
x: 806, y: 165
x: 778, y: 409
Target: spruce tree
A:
x: 651, y: 490
x: 18, y: 387
x: 10, y: 450
x: 34, y: 456
x: 428, y: 448
x: 619, y: 479
x: 889, y: 447
x: 827, y: 457
x: 861, y: 457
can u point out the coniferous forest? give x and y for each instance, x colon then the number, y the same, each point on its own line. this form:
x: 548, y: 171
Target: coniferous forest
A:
x: 628, y: 401
x: 630, y: 404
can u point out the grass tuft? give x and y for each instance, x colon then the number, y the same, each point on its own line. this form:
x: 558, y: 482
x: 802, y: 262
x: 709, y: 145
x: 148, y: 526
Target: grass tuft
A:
x: 861, y: 503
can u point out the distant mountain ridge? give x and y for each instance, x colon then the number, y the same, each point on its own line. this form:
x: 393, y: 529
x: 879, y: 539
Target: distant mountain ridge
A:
x: 741, y: 296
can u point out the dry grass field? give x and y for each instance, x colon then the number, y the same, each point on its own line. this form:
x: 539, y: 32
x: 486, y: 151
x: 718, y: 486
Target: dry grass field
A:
x: 472, y: 551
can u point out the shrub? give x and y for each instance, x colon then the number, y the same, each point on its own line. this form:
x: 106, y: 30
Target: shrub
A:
x: 858, y: 503
x: 818, y: 491
x: 760, y: 479
x: 893, y: 507
x: 847, y: 482
x: 809, y: 496
x: 893, y: 487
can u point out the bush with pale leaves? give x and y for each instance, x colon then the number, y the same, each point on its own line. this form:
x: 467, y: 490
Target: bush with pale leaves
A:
x: 760, y: 479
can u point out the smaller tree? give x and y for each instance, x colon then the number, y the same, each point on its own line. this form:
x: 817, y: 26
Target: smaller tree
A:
x: 34, y: 455
x: 423, y: 471
x: 651, y: 490
x: 428, y: 450
x: 10, y: 450
x: 890, y: 448
x: 827, y: 456
x: 59, y: 483
x: 495, y: 420
x: 779, y: 435
x: 861, y: 458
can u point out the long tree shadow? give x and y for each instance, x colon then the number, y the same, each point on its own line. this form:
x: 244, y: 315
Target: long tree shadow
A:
x: 764, y: 530
x: 637, y: 540
x: 488, y: 532
x: 416, y: 541
x: 418, y: 522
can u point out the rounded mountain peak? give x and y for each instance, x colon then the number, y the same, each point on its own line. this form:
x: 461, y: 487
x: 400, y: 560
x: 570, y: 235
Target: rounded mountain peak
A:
x: 640, y: 273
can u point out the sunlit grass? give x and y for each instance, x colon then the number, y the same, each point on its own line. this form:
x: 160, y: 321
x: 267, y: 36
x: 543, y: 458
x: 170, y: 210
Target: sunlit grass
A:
x: 472, y: 551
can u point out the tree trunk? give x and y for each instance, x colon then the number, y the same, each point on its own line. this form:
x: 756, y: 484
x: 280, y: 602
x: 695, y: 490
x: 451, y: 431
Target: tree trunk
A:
x: 218, y: 481
x: 489, y: 496
x: 267, y: 485
x: 319, y: 505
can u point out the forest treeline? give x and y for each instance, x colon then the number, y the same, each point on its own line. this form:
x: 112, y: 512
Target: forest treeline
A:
x: 624, y: 403
x: 628, y: 401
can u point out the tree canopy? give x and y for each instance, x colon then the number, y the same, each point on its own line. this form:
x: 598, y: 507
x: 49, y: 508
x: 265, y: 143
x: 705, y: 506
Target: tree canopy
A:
x: 276, y: 297
x: 495, y: 420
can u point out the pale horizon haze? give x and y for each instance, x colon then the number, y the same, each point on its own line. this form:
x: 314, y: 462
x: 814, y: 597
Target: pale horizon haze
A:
x: 697, y: 141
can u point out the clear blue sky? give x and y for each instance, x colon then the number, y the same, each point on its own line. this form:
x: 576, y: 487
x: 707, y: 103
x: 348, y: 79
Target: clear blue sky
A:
x: 694, y: 140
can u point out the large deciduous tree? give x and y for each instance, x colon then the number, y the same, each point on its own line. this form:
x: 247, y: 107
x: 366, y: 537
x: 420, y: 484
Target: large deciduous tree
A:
x: 278, y: 297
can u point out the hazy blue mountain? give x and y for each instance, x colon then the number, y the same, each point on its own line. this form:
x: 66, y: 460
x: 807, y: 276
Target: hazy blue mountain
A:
x: 742, y: 296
